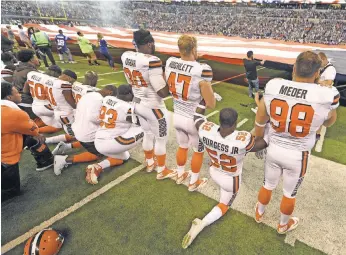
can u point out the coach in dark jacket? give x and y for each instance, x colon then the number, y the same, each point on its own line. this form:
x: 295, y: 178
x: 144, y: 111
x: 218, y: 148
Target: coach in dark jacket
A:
x: 28, y: 62
x: 6, y: 44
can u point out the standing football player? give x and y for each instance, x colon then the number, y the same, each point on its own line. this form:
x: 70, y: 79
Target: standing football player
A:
x: 296, y: 109
x: 227, y: 148
x: 144, y: 72
x: 189, y: 83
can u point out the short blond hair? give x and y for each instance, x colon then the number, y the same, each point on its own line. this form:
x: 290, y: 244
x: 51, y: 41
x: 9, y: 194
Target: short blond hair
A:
x: 186, y: 44
x: 322, y: 56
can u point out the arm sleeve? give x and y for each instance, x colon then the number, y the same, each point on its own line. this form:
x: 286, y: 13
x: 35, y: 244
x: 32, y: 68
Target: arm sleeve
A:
x: 206, y: 74
x: 24, y: 125
x: 336, y: 99
x: 156, y: 75
x: 66, y: 86
x: 250, y: 142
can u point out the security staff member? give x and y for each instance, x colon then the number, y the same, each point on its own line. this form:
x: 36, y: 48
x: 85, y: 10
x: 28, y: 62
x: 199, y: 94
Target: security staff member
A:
x: 41, y: 41
x: 251, y: 72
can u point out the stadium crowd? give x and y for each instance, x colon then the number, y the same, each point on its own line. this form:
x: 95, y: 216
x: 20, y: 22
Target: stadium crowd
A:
x: 298, y: 25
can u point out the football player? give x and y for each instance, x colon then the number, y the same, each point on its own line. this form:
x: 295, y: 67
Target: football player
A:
x: 79, y: 90
x: 40, y: 87
x: 227, y: 148
x: 116, y: 134
x: 90, y: 78
x: 296, y: 109
x: 144, y: 72
x: 64, y: 105
x: 189, y: 83
x: 84, y: 129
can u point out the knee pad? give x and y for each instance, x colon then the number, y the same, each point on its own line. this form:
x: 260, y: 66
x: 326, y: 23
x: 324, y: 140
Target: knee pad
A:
x: 160, y: 146
x: 148, y: 141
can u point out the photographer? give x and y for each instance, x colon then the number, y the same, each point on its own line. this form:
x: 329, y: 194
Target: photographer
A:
x: 251, y: 72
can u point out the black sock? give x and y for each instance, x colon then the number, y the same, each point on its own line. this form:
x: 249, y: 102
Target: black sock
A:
x: 89, y: 61
x: 95, y: 61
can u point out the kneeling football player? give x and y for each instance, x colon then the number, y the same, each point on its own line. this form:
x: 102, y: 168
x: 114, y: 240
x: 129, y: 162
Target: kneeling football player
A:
x: 87, y: 121
x: 116, y: 134
x: 227, y: 148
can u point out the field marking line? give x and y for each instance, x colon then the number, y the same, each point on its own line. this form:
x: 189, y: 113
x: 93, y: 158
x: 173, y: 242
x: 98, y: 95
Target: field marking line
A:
x: 12, y: 244
x: 211, y: 114
x: 217, y: 82
x: 242, y: 122
x: 104, y: 85
x: 319, y: 144
x: 100, y: 79
x: 105, y: 73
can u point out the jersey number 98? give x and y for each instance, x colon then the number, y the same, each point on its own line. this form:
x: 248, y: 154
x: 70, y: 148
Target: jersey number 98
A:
x: 299, y: 122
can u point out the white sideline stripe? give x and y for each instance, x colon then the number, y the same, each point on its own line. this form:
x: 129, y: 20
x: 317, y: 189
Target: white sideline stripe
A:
x: 104, y: 74
x: 211, y: 114
x: 104, y: 85
x: 12, y: 244
x: 318, y: 147
x: 242, y: 123
x: 230, y: 78
x: 100, y: 79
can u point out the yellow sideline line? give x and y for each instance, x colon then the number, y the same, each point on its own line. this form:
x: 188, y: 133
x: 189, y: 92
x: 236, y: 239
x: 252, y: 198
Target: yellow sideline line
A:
x: 12, y: 244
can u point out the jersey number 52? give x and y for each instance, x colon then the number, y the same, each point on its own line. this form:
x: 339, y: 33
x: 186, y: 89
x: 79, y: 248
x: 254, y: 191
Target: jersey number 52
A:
x: 299, y: 121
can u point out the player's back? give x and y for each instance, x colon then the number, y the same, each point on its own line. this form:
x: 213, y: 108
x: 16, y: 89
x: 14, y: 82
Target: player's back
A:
x: 226, y: 153
x: 137, y: 68
x: 183, y: 78
x: 297, y: 110
x: 79, y: 90
x: 61, y: 104
x: 40, y: 86
x: 61, y: 40
x: 113, y: 118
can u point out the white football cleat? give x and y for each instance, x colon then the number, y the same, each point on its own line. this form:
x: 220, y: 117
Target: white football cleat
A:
x: 292, y: 224
x: 61, y: 149
x: 198, y: 184
x: 92, y: 173
x: 60, y: 163
x: 182, y: 178
x: 196, y: 227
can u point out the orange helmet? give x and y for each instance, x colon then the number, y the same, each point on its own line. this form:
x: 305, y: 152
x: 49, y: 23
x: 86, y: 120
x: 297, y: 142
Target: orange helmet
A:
x: 45, y: 242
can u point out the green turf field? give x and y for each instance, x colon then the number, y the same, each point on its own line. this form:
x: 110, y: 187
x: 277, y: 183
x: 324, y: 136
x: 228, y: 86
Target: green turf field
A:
x: 142, y: 215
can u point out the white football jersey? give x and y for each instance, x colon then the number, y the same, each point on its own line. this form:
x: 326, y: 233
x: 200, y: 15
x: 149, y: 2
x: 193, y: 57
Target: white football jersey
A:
x: 79, y: 90
x: 139, y: 68
x: 87, y: 115
x: 61, y: 104
x: 329, y: 73
x: 113, y: 118
x: 183, y: 78
x: 297, y: 110
x: 226, y: 153
x: 40, y: 86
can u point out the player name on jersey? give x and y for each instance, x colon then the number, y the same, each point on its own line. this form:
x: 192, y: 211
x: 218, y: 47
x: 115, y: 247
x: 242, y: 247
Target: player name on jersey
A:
x: 130, y: 62
x: 180, y: 66
x: 293, y: 92
x: 111, y: 102
x: 220, y: 146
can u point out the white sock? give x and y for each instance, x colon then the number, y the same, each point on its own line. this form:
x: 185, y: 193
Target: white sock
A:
x: 150, y: 161
x: 261, y: 208
x: 194, y: 177
x: 56, y: 139
x: 104, y: 164
x: 160, y: 169
x: 212, y: 216
x: 284, y: 219
x: 180, y: 170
